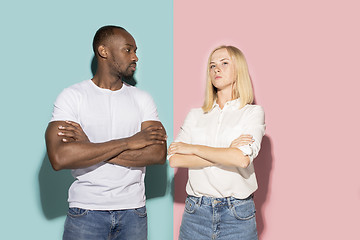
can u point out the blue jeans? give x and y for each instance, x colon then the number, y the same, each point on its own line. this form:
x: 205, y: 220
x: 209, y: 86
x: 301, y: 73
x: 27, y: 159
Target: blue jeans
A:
x: 82, y: 224
x: 218, y: 218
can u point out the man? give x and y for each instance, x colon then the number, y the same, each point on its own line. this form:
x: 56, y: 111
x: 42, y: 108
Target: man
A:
x: 106, y: 132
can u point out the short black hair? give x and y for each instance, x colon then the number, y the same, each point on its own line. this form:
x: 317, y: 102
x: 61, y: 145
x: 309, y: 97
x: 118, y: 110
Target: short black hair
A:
x: 103, y: 34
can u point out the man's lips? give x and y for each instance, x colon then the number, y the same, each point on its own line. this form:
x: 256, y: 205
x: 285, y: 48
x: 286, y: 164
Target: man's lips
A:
x: 133, y: 66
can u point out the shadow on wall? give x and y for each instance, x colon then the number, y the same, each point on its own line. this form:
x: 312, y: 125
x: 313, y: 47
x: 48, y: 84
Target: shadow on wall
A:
x: 263, y: 165
x: 179, y: 183
x: 54, y: 185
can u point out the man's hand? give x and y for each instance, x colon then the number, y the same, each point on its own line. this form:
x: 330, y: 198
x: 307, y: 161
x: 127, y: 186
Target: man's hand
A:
x: 242, y: 141
x: 72, y: 132
x: 148, y: 136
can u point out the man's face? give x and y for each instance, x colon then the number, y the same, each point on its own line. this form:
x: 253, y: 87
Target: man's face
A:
x: 122, y: 54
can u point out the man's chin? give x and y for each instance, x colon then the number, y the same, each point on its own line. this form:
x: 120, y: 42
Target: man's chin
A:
x: 128, y: 76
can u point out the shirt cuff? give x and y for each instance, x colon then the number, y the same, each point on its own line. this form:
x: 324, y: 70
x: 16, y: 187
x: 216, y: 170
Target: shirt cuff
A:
x: 246, y: 149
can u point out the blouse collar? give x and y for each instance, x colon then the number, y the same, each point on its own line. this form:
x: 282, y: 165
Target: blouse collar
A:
x: 233, y: 104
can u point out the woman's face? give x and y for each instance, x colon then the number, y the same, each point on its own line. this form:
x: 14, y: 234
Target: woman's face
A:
x: 222, y: 72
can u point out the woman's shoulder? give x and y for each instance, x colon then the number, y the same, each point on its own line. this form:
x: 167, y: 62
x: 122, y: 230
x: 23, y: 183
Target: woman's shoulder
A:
x: 254, y: 111
x: 253, y: 107
x: 194, y: 113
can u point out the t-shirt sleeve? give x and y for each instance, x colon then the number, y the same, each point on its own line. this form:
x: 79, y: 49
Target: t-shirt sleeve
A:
x: 66, y: 106
x: 150, y: 112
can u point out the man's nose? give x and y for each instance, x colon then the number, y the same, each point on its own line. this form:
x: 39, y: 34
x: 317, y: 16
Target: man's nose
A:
x: 134, y: 57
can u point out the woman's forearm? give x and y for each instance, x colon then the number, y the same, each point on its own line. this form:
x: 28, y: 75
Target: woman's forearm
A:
x: 232, y: 157
x: 188, y: 161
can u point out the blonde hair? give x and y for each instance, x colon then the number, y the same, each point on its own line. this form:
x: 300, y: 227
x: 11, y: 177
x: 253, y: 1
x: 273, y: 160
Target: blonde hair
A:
x: 242, y: 87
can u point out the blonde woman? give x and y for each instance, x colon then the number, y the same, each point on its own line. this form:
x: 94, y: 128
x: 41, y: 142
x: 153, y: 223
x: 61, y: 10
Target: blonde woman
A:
x: 218, y: 144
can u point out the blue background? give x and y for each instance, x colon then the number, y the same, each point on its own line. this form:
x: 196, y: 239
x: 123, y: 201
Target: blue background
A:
x: 46, y: 46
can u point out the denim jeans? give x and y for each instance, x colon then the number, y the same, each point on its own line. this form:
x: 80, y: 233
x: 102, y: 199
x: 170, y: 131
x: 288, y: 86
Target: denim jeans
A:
x: 218, y: 218
x: 82, y: 224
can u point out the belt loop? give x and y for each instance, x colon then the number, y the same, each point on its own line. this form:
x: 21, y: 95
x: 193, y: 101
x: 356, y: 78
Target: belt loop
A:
x: 229, y: 202
x: 199, y: 201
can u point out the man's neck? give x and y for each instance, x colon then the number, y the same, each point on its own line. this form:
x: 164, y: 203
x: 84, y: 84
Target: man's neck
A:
x: 108, y: 82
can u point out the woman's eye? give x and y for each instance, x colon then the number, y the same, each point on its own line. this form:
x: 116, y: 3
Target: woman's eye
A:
x: 212, y: 66
x: 225, y: 63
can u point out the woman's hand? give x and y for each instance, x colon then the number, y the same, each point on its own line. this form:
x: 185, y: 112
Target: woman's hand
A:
x: 243, y: 140
x: 181, y: 148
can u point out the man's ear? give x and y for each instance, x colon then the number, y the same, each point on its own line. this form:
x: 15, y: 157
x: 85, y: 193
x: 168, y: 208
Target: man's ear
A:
x: 102, y: 51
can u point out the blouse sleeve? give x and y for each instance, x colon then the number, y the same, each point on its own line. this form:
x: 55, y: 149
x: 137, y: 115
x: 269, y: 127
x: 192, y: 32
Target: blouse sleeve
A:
x: 256, y: 127
x: 184, y: 134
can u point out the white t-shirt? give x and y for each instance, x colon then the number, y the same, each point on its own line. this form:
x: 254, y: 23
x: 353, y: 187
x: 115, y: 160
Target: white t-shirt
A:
x: 218, y: 128
x: 106, y: 115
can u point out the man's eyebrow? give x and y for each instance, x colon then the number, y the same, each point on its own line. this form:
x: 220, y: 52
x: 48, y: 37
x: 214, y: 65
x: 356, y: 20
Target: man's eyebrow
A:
x: 128, y: 44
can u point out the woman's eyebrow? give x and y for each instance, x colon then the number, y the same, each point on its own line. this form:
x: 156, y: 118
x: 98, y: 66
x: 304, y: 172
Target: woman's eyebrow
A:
x: 223, y: 59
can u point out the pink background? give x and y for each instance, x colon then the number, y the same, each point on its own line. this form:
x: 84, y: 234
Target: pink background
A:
x: 304, y: 62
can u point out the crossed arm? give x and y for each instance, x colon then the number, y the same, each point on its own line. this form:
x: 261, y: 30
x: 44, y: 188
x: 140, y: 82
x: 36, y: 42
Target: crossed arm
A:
x: 200, y: 156
x: 68, y: 147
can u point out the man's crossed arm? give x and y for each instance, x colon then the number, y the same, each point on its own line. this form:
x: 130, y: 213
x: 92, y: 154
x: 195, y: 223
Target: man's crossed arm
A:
x: 68, y: 147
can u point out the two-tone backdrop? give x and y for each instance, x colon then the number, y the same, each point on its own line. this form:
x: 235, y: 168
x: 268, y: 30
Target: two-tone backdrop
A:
x: 304, y: 63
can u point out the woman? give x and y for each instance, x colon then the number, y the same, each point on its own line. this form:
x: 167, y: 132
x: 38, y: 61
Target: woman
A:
x: 218, y: 144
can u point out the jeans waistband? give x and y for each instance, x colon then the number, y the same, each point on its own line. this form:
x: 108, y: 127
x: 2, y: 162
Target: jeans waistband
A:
x: 210, y: 201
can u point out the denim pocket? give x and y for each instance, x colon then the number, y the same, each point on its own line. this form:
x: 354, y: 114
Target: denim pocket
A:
x: 77, y: 212
x: 243, y: 210
x: 141, y: 212
x: 190, y: 205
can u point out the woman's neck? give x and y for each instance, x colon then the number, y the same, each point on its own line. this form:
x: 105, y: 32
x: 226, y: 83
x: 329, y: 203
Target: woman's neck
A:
x: 223, y: 97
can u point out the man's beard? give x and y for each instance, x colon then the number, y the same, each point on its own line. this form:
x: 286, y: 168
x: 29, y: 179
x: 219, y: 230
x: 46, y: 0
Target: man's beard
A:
x: 128, y: 73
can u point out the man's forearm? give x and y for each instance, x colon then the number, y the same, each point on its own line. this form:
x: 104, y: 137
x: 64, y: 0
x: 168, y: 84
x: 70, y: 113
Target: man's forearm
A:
x: 153, y: 154
x: 84, y: 154
x: 69, y: 148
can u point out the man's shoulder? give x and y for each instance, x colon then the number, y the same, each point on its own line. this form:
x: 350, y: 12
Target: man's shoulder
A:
x: 76, y: 89
x: 136, y: 92
x: 80, y: 86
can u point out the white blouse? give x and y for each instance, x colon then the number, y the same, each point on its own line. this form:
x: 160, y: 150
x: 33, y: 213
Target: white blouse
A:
x: 218, y: 128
